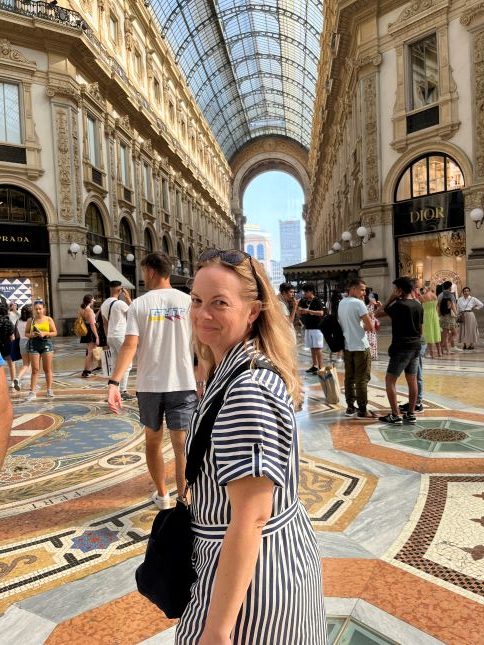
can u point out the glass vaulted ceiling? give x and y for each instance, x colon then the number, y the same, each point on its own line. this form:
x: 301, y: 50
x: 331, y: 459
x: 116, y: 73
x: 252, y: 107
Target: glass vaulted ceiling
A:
x: 252, y: 66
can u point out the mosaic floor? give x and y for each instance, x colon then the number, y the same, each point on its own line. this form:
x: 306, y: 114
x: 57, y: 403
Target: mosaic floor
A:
x: 399, y: 513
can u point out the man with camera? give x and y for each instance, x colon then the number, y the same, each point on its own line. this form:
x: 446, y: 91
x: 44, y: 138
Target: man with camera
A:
x: 114, y: 311
x: 407, y: 320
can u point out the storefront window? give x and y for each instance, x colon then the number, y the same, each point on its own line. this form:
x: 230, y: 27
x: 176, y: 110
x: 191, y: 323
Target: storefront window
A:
x: 434, y: 173
x: 432, y: 258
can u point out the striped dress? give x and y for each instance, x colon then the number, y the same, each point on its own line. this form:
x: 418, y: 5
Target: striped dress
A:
x: 255, y: 435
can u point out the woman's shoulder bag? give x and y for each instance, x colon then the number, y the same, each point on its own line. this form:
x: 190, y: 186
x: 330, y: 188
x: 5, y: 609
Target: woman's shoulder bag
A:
x: 167, y: 574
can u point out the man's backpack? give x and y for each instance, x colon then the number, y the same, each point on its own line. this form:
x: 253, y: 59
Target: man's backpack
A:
x: 445, y: 306
x: 6, y: 330
x: 333, y: 334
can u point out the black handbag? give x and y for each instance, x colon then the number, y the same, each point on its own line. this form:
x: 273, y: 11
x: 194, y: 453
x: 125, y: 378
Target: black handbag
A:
x: 167, y: 573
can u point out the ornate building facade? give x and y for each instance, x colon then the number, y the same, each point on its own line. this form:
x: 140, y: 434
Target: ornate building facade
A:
x: 396, y: 161
x: 104, y: 154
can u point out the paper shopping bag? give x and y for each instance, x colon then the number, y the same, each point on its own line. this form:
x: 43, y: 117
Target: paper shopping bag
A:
x: 106, y: 362
x: 330, y: 384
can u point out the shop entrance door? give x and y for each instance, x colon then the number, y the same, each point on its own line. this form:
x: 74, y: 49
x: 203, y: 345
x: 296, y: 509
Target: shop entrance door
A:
x: 433, y: 258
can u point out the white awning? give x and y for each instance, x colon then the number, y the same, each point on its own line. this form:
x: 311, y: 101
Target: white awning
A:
x: 110, y: 272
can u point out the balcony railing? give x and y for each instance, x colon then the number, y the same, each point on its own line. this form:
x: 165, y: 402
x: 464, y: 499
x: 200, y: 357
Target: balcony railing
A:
x: 46, y: 11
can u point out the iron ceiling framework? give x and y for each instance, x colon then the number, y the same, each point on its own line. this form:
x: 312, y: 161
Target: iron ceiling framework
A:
x: 251, y: 66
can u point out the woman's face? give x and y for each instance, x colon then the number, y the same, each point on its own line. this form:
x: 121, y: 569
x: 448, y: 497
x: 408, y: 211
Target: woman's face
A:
x: 39, y: 310
x: 220, y: 317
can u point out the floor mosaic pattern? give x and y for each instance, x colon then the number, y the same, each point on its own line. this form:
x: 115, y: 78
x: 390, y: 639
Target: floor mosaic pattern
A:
x: 398, y: 509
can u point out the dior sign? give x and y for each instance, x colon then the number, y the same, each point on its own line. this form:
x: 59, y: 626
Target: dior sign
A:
x: 437, y: 212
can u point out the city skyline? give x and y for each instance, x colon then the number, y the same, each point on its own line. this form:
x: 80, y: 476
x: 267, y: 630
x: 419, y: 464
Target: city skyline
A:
x: 271, y: 197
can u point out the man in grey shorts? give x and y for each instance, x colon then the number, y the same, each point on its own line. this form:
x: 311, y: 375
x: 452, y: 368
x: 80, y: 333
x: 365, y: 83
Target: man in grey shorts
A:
x: 158, y: 327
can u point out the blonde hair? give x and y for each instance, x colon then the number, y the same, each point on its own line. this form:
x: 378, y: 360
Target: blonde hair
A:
x: 272, y: 332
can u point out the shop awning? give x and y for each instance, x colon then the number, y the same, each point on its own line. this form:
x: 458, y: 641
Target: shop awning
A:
x: 326, y: 266
x: 110, y: 272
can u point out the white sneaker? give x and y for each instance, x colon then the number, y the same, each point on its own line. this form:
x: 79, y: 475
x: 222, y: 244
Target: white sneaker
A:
x: 163, y: 502
x: 12, y: 385
x: 50, y: 394
x: 31, y: 396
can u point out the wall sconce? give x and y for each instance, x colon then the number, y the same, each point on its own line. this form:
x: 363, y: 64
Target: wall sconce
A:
x: 336, y: 246
x: 477, y: 215
x: 74, y: 249
x: 346, y: 236
x: 364, y: 234
x: 130, y: 257
x: 330, y: 252
x: 97, y: 250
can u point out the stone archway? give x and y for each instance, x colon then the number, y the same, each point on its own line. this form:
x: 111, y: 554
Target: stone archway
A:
x: 262, y: 155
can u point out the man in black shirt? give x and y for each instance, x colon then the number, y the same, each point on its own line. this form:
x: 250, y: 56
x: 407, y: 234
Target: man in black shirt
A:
x: 407, y: 320
x: 311, y: 310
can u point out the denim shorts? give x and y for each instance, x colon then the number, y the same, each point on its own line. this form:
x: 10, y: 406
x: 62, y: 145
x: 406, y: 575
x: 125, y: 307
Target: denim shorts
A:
x: 405, y: 360
x: 40, y: 346
x: 176, y: 407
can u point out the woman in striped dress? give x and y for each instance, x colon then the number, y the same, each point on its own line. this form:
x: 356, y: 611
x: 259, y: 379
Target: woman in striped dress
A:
x: 257, y: 562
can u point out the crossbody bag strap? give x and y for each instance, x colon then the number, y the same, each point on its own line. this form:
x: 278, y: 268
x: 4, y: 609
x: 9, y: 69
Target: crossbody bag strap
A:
x: 201, y: 440
x: 110, y: 307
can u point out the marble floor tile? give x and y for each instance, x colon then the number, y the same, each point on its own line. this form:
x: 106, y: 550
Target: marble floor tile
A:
x: 21, y: 627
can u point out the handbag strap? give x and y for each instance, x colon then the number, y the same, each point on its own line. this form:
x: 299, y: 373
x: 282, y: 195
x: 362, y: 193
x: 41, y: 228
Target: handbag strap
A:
x: 201, y: 440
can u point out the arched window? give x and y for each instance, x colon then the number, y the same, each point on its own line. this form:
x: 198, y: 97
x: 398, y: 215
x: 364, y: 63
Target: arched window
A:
x: 17, y: 205
x: 148, y: 241
x: 127, y: 248
x: 190, y: 261
x: 250, y: 249
x: 179, y: 259
x: 260, y: 252
x: 94, y: 220
x: 125, y: 231
x: 95, y: 232
x: 165, y: 245
x: 427, y: 175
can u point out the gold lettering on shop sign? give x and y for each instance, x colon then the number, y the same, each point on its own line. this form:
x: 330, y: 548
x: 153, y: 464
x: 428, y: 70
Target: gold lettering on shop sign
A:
x: 426, y: 214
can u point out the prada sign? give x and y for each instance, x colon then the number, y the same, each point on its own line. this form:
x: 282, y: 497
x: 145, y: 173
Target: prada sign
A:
x: 430, y: 213
x: 23, y: 238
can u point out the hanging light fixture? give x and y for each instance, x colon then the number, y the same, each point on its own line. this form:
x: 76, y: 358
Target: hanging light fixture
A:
x: 364, y: 234
x: 477, y: 215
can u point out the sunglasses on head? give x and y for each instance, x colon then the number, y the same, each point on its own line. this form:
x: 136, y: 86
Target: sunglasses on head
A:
x: 38, y: 302
x: 232, y: 257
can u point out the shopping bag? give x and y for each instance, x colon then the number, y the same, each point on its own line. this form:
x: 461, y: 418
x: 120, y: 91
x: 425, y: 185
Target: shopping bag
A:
x: 330, y: 384
x: 106, y: 362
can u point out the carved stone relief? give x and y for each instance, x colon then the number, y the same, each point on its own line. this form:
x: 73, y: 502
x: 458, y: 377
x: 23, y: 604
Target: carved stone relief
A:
x: 77, y: 166
x: 7, y: 52
x: 370, y: 138
x: 64, y: 170
x: 479, y: 102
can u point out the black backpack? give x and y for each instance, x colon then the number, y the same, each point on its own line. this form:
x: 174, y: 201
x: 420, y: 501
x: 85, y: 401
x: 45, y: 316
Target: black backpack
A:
x: 445, y: 305
x: 332, y: 332
x: 6, y: 330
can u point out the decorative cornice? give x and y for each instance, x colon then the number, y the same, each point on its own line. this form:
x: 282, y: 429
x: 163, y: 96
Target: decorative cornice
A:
x: 64, y: 90
x: 469, y: 15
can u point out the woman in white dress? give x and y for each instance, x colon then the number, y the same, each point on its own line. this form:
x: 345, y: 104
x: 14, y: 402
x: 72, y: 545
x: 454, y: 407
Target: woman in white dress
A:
x: 468, y: 332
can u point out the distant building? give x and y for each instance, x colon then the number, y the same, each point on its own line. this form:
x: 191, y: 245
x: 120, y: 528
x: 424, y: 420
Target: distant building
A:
x: 258, y: 244
x: 277, y: 275
x: 290, y: 234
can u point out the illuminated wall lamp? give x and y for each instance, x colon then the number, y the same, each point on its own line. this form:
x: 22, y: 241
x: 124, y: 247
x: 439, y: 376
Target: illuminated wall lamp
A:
x: 364, y: 234
x: 330, y: 252
x: 346, y: 236
x: 74, y: 249
x: 97, y: 249
x: 130, y: 257
x: 477, y: 215
x: 336, y: 246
